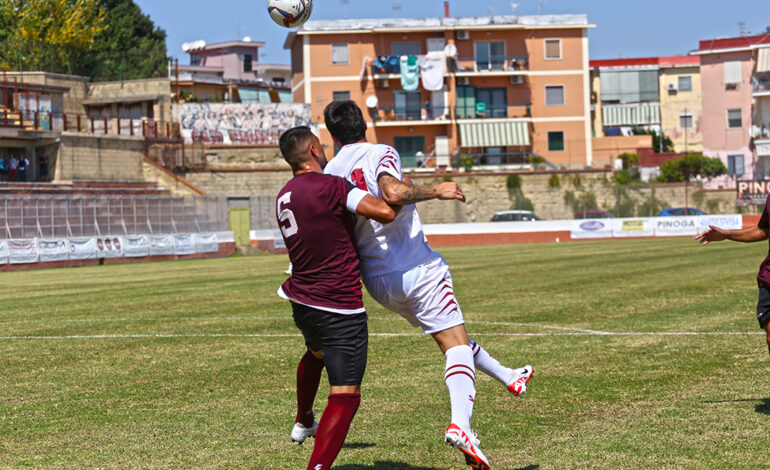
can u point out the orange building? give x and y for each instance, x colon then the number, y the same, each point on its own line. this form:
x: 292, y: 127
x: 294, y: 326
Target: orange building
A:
x: 508, y: 87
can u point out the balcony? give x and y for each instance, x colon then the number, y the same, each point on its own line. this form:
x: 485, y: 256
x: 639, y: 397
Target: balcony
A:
x: 480, y: 110
x: 410, y: 115
x: 761, y: 87
x: 88, y: 124
x: 497, y: 65
x: 762, y: 146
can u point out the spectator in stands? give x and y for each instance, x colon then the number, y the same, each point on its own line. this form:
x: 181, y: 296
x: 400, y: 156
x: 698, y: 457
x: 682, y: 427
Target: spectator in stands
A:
x: 3, y: 168
x: 43, y: 168
x: 23, y: 164
x: 13, y: 166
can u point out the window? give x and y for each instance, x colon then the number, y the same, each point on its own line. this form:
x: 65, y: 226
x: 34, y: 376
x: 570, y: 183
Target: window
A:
x: 554, y: 95
x: 339, y: 54
x: 494, y: 101
x: 553, y: 49
x: 733, y: 72
x: 405, y: 48
x: 734, y: 119
x: 555, y: 141
x: 340, y: 96
x: 735, y: 165
x: 247, y: 65
x: 407, y: 104
x: 466, y: 102
x: 685, y: 83
x: 407, y: 148
x: 629, y: 86
x: 195, y: 59
x: 490, y: 55
x: 685, y: 121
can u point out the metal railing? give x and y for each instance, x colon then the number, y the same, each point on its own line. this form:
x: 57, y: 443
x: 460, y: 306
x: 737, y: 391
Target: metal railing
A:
x: 89, y: 124
x: 427, y: 112
x: 28, y: 216
x: 491, y: 64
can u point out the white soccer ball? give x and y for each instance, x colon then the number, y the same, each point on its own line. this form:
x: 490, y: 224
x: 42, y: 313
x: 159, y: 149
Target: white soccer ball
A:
x: 290, y: 13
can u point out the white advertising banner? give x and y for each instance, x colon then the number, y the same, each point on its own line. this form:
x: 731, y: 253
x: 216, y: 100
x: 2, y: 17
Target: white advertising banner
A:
x: 644, y: 227
x: 57, y: 249
x: 135, y: 246
x: 22, y: 251
x: 83, y: 248
x: 676, y: 226
x: 184, y: 244
x: 278, y: 241
x: 727, y: 222
x: 161, y: 245
x: 3, y: 252
x: 109, y: 247
x: 206, y: 242
x: 592, y: 228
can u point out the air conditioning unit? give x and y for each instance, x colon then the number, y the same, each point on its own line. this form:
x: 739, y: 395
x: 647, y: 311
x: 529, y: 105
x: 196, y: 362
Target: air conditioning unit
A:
x: 463, y: 81
x: 463, y: 34
x: 672, y: 87
x: 517, y: 79
x: 382, y: 83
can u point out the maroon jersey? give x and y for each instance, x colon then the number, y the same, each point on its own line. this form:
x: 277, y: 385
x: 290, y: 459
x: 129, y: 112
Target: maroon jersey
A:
x: 318, y: 228
x: 763, y: 276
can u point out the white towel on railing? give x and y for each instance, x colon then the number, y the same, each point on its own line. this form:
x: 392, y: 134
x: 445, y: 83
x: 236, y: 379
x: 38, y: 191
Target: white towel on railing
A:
x: 432, y: 67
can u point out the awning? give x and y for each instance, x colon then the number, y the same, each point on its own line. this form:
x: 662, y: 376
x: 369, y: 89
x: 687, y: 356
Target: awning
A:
x: 763, y: 59
x: 494, y: 134
x: 254, y: 95
x: 631, y: 114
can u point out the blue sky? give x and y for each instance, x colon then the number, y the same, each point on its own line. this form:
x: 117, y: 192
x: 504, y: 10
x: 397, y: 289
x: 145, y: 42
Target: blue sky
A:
x: 623, y: 27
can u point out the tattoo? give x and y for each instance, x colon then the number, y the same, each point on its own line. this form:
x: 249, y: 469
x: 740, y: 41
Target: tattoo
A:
x: 406, y: 192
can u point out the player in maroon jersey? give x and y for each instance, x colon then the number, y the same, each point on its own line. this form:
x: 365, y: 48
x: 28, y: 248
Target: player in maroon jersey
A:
x: 756, y: 233
x: 315, y: 213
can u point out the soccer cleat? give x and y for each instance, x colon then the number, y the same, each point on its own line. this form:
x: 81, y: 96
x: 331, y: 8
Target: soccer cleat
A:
x: 299, y: 433
x: 521, y: 378
x: 468, y: 443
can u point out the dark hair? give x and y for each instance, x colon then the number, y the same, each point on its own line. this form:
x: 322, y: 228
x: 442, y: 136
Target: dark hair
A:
x: 345, y: 121
x: 293, y: 143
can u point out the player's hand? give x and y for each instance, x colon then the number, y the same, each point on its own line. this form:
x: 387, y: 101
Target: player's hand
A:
x: 450, y: 191
x: 713, y: 234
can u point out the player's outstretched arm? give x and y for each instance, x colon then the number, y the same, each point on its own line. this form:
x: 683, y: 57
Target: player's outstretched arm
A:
x: 716, y: 234
x: 373, y: 208
x: 402, y: 193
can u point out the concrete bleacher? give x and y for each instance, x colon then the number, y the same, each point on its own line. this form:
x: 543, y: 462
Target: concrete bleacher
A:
x: 98, y: 208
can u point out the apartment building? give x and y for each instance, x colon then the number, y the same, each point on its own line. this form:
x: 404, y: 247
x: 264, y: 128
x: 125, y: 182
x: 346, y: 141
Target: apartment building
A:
x: 653, y: 93
x: 500, y: 89
x: 735, y: 80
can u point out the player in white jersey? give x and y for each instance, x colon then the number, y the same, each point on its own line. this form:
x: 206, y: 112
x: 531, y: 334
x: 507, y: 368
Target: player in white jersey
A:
x: 405, y: 275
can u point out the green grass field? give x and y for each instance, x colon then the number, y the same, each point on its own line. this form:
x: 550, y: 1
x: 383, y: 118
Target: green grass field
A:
x: 191, y: 364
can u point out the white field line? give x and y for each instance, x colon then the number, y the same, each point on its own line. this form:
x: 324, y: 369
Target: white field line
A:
x: 297, y: 335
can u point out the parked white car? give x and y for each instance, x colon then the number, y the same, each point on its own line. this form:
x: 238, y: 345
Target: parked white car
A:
x: 514, y: 216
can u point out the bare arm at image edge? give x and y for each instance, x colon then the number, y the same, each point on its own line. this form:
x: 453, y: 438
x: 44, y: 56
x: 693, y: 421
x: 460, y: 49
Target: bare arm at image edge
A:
x: 747, y: 235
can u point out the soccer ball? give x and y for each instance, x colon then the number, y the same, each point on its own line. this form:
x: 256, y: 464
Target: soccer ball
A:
x: 290, y: 13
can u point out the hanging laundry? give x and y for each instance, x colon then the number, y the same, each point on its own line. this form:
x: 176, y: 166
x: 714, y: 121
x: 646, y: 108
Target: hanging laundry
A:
x: 410, y: 73
x: 432, y: 68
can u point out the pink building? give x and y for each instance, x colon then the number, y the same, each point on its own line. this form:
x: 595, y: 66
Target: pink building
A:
x: 733, y: 74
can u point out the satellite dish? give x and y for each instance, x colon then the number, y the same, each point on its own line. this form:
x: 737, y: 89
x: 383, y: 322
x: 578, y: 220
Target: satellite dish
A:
x: 450, y: 50
x: 185, y: 47
x: 247, y: 39
x: 202, y: 44
x: 372, y: 102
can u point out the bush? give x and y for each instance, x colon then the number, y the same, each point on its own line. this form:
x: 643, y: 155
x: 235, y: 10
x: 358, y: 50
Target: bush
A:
x: 513, y: 182
x: 691, y: 165
x: 554, y: 182
x: 623, y: 177
x: 576, y: 181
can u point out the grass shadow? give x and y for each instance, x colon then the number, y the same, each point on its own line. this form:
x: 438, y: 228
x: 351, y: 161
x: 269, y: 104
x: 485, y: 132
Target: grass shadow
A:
x: 763, y: 407
x: 529, y: 467
x: 358, y: 445
x: 384, y: 465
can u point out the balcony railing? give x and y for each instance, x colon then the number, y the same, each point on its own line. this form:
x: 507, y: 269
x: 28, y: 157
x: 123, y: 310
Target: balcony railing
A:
x: 761, y: 86
x: 433, y: 113
x: 103, y: 125
x: 491, y: 64
x: 482, y: 110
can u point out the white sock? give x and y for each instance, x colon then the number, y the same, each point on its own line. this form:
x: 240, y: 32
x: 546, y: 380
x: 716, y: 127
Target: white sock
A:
x: 489, y: 365
x: 460, y: 378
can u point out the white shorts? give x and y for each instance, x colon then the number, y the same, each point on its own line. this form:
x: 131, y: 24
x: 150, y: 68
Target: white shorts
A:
x: 422, y: 294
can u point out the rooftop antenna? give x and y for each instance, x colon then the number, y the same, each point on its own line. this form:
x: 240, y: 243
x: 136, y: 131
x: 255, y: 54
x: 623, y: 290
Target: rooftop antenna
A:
x: 742, y: 31
x: 490, y: 10
x: 514, y: 6
x: 345, y: 7
x: 397, y: 8
x: 540, y: 10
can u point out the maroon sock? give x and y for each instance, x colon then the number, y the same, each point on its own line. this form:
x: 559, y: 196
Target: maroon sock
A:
x: 308, y: 378
x: 333, y: 429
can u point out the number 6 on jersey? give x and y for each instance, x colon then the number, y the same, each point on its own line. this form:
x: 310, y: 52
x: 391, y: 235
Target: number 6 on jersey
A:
x: 286, y: 215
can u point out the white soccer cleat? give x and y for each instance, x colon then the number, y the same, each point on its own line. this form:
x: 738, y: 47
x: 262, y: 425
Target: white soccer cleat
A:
x: 299, y: 433
x: 468, y: 443
x: 521, y: 378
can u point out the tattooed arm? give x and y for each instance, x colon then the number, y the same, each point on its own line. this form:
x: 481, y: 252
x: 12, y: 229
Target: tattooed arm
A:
x: 402, y: 193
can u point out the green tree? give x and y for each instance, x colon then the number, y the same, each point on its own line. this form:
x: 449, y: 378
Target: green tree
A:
x: 668, y: 145
x: 130, y: 47
x: 689, y: 166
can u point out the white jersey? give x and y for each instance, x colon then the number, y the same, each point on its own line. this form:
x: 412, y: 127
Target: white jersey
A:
x: 382, y: 248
